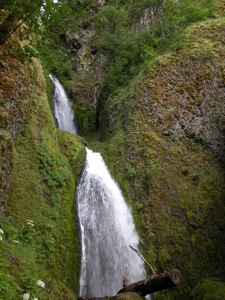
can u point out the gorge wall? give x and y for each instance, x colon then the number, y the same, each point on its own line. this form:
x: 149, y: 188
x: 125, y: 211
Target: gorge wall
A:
x: 39, y: 166
x: 162, y: 136
x: 166, y: 147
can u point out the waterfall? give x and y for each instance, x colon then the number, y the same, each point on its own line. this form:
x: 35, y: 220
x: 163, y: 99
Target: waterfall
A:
x: 63, y: 112
x: 107, y: 231
x: 106, y: 223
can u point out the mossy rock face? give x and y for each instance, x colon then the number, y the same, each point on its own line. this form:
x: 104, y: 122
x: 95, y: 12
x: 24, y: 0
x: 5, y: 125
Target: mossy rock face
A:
x: 210, y: 289
x: 86, y: 119
x: 14, y: 105
x: 188, y: 88
x: 128, y: 296
x: 73, y: 147
x: 40, y: 240
x: 167, y: 157
x: 6, y: 163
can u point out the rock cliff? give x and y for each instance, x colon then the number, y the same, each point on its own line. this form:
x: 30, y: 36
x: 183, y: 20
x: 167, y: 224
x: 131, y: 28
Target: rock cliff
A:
x: 166, y: 147
x: 39, y: 244
x: 162, y: 135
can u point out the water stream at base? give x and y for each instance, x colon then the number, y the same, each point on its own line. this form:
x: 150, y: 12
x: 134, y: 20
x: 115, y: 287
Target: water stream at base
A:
x: 106, y: 223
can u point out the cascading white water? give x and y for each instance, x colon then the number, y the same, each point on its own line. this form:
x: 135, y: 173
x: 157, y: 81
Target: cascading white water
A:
x: 63, y: 112
x: 107, y: 231
x: 107, y: 227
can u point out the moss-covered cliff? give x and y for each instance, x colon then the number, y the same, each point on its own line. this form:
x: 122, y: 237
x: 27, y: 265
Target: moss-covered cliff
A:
x: 39, y: 168
x: 162, y: 134
x: 165, y: 146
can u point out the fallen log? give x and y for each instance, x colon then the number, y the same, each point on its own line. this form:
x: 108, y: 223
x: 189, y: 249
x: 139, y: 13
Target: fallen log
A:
x: 149, y: 285
x: 154, y: 283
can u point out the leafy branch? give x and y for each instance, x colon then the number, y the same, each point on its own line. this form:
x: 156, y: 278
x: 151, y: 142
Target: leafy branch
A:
x: 23, y: 21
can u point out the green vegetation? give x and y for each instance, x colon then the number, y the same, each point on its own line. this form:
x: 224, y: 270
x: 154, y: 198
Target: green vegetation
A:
x: 210, y: 289
x: 40, y: 236
x: 174, y: 184
x: 138, y: 73
x: 128, y: 45
x: 86, y: 119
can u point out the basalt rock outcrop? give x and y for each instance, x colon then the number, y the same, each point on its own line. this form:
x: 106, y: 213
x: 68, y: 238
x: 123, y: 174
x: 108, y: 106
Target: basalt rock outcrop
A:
x: 166, y: 147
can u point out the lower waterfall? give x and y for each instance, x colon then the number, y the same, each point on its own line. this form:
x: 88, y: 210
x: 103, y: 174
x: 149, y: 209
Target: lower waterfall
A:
x: 107, y: 231
x: 106, y: 223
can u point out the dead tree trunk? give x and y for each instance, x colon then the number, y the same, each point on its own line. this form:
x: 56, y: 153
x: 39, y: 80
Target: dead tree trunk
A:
x: 150, y: 285
x: 154, y: 283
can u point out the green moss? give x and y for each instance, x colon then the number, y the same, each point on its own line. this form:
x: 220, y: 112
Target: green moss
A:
x: 164, y: 258
x: 42, y: 189
x: 3, y: 119
x: 210, y: 289
x: 86, y: 119
x: 3, y: 101
x: 73, y: 147
x: 173, y: 182
x: 128, y: 296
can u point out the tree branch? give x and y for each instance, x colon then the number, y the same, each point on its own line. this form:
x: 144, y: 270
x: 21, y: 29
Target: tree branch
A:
x: 23, y: 21
x: 142, y: 257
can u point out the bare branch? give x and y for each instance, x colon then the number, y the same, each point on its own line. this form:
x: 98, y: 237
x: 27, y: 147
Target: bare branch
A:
x: 141, y: 256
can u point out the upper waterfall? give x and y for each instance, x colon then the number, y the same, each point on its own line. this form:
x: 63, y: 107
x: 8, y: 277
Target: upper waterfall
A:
x: 63, y: 112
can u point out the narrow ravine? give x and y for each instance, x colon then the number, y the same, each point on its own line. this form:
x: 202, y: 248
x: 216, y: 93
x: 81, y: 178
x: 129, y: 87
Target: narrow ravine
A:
x: 106, y: 223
